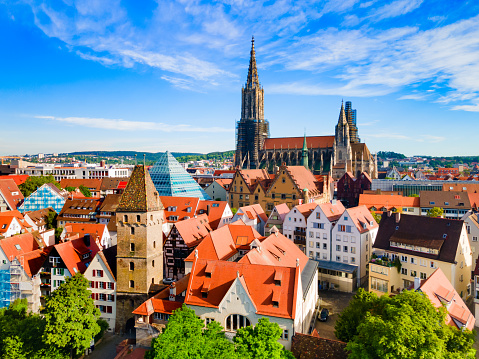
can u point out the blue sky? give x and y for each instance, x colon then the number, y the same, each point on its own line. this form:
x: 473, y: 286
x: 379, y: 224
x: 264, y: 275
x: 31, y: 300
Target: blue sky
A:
x: 167, y: 75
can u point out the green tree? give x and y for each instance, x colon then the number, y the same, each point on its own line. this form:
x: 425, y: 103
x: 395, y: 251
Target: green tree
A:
x: 86, y: 192
x: 70, y: 316
x: 70, y: 188
x: 234, y: 210
x: 377, y: 217
x: 260, y: 341
x: 184, y: 337
x: 33, y: 182
x: 103, y: 324
x: 435, y: 212
x: 403, y: 326
x: 51, y: 220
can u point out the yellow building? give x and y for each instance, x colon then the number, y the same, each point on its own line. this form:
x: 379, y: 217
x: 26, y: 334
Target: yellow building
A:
x: 292, y: 185
x: 421, y: 245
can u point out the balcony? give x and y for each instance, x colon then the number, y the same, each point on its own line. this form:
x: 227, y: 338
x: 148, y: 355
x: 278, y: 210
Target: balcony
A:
x: 300, y: 241
x: 300, y: 233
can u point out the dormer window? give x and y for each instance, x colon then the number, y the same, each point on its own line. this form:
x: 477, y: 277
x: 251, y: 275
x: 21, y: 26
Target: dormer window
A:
x: 275, y: 304
x: 446, y: 203
x: 277, y: 282
x: 444, y: 236
x: 432, y: 202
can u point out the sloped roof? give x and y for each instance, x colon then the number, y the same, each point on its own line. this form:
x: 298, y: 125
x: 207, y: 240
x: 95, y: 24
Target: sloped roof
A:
x: 259, y: 281
x: 282, y: 210
x: 305, y: 209
x: 440, y: 290
x: 34, y: 260
x: 360, y: 148
x: 276, y: 250
x: 10, y: 192
x: 252, y: 211
x: 110, y: 203
x: 18, y: 179
x: 39, y: 217
x: 224, y: 182
x: 90, y: 183
x: 440, y: 198
x: 80, y: 206
x: 182, y: 204
x: 224, y: 242
x: 297, y: 142
x: 18, y: 245
x: 459, y: 187
x: 94, y: 229
x: 110, y: 183
x: 362, y: 218
x: 474, y: 200
x: 71, y: 252
x: 425, y: 231
x: 253, y: 177
x: 387, y: 201
x: 304, y: 179
x: 332, y: 211
x: 5, y: 222
x: 214, y: 210
x: 140, y: 194
x: 193, y: 230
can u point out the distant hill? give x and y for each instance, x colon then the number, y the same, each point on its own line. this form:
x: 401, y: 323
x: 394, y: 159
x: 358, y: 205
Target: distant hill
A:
x: 151, y: 156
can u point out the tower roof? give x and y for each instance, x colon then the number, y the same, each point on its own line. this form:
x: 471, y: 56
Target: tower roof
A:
x: 171, y: 179
x: 252, y: 80
x: 342, y: 115
x: 140, y: 194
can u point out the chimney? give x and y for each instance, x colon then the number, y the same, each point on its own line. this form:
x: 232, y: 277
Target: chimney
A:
x: 172, y: 296
x: 208, y: 210
x: 86, y: 239
x: 398, y: 217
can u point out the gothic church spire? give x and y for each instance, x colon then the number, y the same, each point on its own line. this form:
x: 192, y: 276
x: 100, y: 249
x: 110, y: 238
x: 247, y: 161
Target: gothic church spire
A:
x: 252, y: 80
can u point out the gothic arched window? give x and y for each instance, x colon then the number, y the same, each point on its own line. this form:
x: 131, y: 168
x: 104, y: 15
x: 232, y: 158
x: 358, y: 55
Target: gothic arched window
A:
x: 236, y: 321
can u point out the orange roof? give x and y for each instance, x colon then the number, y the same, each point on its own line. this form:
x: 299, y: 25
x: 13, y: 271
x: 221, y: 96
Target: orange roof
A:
x: 474, y: 199
x: 214, y: 210
x: 332, y: 211
x: 304, y: 179
x: 33, y: 261
x: 193, y: 230
x: 461, y: 187
x: 253, y: 211
x: 278, y: 251
x: 86, y: 228
x: 253, y: 177
x: 306, y: 209
x: 5, y: 222
x: 71, y: 253
x: 440, y: 290
x: 297, y: 142
x: 257, y: 280
x: 388, y: 201
x: 10, y: 192
x: 18, y: 245
x: 182, y: 204
x: 224, y: 242
x: 18, y: 179
x: 91, y: 184
x: 362, y: 218
x: 224, y: 182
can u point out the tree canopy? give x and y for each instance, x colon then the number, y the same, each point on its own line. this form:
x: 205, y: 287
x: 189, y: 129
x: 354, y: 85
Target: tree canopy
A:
x: 33, y: 182
x: 85, y: 191
x: 71, y: 316
x: 435, y: 212
x: 377, y: 217
x: 403, y: 326
x: 185, y: 336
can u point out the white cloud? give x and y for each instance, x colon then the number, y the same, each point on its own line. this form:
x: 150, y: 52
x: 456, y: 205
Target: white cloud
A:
x: 394, y: 9
x: 123, y: 125
x: 413, y: 97
x: 470, y: 108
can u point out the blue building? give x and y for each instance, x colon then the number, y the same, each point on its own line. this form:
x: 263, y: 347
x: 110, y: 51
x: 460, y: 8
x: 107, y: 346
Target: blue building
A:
x: 48, y: 195
x: 171, y: 179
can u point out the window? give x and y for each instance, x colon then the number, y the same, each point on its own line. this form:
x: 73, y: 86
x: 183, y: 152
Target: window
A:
x: 353, y: 260
x: 422, y: 262
x: 325, y: 236
x: 404, y: 259
x: 132, y: 284
x: 209, y: 320
x: 273, y: 195
x: 132, y: 266
x: 102, y: 296
x: 345, y: 259
x: 404, y: 271
x: 99, y: 273
x: 311, y: 234
x: 433, y: 265
x: 285, y: 335
x: 111, y: 285
x: 423, y: 275
x: 325, y: 246
x: 132, y: 230
x: 353, y: 250
x: 236, y: 321
x: 318, y: 215
x: 283, y: 179
x: 353, y: 239
x: 283, y: 196
x: 338, y: 247
x: 153, y: 263
x: 125, y: 218
x: 338, y: 258
x: 345, y: 249
x: 311, y: 254
x: 413, y: 273
x: 379, y: 285
x: 138, y: 218
x: 311, y: 244
x: 413, y: 260
x: 474, y: 239
x: 132, y: 247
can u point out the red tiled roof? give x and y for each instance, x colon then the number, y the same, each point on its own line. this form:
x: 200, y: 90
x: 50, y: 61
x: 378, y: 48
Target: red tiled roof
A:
x: 257, y: 280
x: 253, y: 211
x: 297, y: 142
x: 193, y: 230
x: 18, y: 245
x: 360, y: 215
x: 332, y: 211
x: 181, y: 204
x: 306, y: 209
x: 18, y: 179
x: 278, y: 251
x: 71, y: 253
x: 34, y: 260
x: 439, y: 290
x: 253, y: 177
x: 282, y: 210
x: 214, y: 210
x: 10, y: 192
x: 304, y: 179
x: 387, y: 201
x: 91, y: 184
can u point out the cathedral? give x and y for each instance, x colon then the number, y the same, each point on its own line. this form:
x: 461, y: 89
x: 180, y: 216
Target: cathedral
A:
x: 333, y: 155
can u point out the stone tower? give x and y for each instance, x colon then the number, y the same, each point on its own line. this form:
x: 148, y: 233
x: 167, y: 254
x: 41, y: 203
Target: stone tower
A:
x: 304, y: 154
x: 139, y: 218
x: 342, y: 146
x: 252, y: 129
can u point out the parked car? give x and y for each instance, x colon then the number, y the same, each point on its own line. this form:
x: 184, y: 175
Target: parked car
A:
x: 323, y: 316
x: 168, y: 281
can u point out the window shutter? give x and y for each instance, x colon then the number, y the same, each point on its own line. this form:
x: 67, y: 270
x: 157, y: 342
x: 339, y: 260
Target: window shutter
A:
x: 96, y: 284
x: 101, y: 273
x: 97, y: 296
x: 108, y: 309
x: 112, y: 285
x: 104, y: 285
x: 93, y: 296
x: 112, y: 297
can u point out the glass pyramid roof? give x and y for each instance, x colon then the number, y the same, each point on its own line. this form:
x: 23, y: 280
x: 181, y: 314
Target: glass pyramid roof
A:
x: 170, y: 179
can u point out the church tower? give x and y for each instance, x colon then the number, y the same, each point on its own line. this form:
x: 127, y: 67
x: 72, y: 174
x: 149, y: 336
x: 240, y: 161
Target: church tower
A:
x: 139, y: 218
x: 304, y: 154
x: 351, y: 117
x: 342, y: 146
x: 252, y: 129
